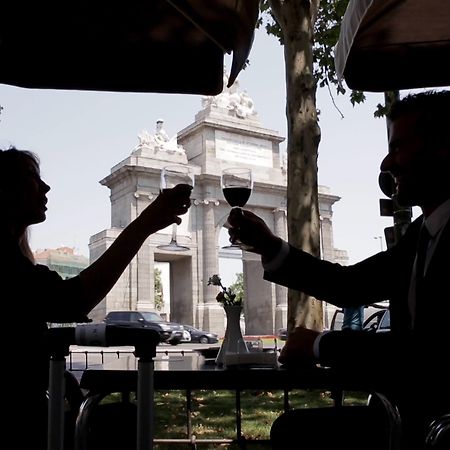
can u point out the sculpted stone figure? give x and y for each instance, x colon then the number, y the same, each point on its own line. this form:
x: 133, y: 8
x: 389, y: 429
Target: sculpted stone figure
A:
x: 160, y: 140
x: 160, y: 136
x: 144, y: 139
x: 238, y: 103
x: 244, y: 106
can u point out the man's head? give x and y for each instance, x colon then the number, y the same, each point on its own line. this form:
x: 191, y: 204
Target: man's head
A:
x: 419, y: 149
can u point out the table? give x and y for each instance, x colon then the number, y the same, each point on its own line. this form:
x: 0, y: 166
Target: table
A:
x: 194, y: 372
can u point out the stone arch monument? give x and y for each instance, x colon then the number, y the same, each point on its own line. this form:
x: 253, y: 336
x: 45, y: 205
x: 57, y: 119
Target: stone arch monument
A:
x: 226, y: 132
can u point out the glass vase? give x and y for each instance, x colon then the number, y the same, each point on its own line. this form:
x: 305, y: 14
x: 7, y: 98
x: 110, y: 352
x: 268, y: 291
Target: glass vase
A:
x: 233, y: 341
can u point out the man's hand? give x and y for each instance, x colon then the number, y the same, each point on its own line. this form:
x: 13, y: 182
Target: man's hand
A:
x: 299, y: 348
x: 251, y: 230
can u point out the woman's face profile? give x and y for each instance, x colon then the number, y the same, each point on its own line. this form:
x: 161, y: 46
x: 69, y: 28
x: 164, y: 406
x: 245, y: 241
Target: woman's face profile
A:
x: 26, y: 193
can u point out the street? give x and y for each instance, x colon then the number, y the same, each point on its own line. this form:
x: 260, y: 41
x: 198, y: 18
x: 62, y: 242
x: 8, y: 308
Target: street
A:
x: 82, y: 358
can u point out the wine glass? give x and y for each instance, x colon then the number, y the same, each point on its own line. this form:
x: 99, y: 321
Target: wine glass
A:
x: 170, y: 177
x: 237, y: 185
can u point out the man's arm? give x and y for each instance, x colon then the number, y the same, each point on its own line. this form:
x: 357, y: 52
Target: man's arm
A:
x: 371, y: 280
x: 372, y: 355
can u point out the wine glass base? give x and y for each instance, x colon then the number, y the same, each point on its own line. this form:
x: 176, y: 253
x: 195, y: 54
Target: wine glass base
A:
x: 173, y: 248
x: 231, y: 247
x: 247, y: 248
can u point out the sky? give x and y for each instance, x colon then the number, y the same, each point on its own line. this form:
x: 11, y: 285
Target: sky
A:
x: 80, y: 135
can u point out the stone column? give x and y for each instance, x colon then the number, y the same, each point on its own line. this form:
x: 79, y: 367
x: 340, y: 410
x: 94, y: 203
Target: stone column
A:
x: 213, y: 315
x: 142, y: 272
x: 327, y: 253
x: 181, y: 301
x: 326, y: 237
x: 281, y: 292
x: 258, y: 302
x: 145, y: 279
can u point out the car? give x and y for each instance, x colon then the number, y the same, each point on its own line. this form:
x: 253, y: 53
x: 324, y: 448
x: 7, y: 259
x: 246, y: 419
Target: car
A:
x: 282, y: 334
x: 200, y: 336
x: 186, y: 335
x: 379, y: 321
x: 169, y: 332
x: 376, y: 318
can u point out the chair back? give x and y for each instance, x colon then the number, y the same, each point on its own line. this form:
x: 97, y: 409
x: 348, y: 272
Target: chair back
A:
x: 438, y: 437
x: 374, y: 426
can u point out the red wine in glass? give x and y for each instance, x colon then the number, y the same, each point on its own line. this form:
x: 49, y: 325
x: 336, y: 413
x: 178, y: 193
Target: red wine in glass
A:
x: 237, y: 196
x: 237, y: 184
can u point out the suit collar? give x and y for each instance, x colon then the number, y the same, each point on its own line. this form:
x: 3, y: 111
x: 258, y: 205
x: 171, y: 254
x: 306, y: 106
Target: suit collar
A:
x: 437, y: 220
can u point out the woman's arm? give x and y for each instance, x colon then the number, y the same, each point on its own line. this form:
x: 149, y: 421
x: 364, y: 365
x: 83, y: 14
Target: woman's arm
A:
x: 98, y: 279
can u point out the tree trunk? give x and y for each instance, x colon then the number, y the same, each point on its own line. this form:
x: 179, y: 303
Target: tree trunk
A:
x: 295, y: 19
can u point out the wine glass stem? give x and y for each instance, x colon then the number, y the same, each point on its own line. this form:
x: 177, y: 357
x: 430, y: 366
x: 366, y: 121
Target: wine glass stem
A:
x: 174, y: 233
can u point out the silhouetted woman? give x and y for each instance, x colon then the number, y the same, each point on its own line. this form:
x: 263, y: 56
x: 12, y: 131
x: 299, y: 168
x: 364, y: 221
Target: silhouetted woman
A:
x: 32, y: 295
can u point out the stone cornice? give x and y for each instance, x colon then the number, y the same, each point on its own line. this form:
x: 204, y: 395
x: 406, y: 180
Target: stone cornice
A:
x: 240, y: 127
x: 206, y: 201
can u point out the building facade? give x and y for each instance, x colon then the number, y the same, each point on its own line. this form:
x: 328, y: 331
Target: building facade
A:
x: 226, y: 132
x: 63, y: 260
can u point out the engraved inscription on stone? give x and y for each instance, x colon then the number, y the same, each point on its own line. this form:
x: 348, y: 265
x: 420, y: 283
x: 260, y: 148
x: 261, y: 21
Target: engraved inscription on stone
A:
x: 243, y: 149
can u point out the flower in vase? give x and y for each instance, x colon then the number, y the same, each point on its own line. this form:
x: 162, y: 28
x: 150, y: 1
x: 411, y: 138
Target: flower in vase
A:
x: 227, y: 297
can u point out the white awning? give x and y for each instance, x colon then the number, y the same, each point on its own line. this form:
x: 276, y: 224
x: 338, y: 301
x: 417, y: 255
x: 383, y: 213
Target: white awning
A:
x: 394, y: 44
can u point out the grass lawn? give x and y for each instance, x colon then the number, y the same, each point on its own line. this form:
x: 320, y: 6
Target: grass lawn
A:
x: 213, y: 415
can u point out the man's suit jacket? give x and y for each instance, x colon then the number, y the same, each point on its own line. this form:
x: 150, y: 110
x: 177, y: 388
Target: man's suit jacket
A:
x: 384, y: 276
x: 401, y: 357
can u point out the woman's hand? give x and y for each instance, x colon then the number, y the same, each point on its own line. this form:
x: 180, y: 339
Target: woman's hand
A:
x: 98, y: 279
x: 166, y: 208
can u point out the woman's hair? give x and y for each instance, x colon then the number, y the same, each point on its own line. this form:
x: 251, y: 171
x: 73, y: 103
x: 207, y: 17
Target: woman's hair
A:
x: 24, y: 246
x: 10, y: 162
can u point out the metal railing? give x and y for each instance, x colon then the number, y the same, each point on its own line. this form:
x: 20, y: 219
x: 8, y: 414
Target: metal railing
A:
x: 81, y: 360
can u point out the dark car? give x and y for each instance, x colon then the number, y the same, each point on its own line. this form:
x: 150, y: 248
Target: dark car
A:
x: 203, y: 337
x: 379, y: 321
x: 169, y: 332
x: 282, y: 334
x: 376, y: 318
